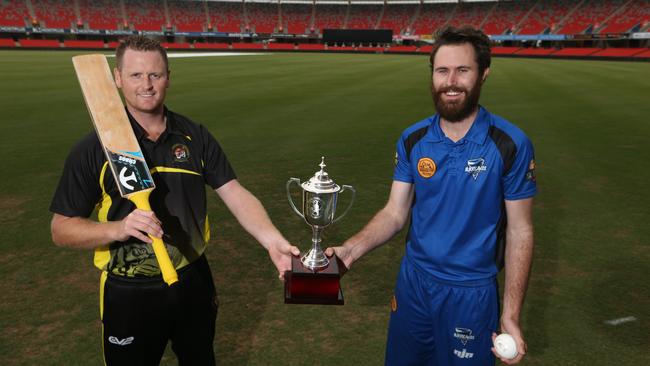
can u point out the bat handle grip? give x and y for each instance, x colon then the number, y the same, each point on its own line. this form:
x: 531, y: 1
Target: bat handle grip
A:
x: 141, y: 201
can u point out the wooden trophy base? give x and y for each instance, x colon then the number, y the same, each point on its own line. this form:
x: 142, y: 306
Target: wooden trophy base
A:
x: 305, y: 286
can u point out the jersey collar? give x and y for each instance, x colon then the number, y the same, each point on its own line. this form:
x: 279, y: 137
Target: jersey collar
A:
x: 477, y: 133
x: 170, y: 128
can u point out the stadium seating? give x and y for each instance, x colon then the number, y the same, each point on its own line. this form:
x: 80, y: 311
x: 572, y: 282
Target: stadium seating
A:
x: 363, y: 17
x: 590, y: 13
x: 634, y: 13
x: 145, y: 14
x: 506, y: 16
x: 296, y: 18
x: 397, y: 17
x: 55, y: 13
x: 226, y: 17
x: 471, y: 14
x: 545, y: 16
x: 187, y: 16
x: 7, y: 42
x: 262, y: 18
x: 329, y: 16
x: 13, y: 13
x: 39, y: 43
x: 68, y: 43
x: 99, y: 14
x: 432, y: 17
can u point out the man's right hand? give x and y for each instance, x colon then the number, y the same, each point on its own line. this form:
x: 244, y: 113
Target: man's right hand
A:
x: 344, y: 255
x: 139, y: 224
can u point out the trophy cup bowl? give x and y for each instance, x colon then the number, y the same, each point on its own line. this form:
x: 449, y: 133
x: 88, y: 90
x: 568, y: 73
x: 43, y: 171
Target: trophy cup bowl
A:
x: 314, y: 279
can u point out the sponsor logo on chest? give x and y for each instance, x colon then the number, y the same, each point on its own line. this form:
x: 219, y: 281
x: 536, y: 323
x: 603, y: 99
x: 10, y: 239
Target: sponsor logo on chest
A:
x: 475, y: 167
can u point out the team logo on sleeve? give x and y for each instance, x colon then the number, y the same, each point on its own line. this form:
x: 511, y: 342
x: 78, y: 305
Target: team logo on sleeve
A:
x: 530, y: 174
x: 426, y: 167
x: 180, y: 152
x: 474, y: 167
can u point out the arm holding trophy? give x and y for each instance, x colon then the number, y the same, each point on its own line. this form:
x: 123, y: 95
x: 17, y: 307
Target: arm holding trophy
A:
x: 253, y: 218
x: 381, y: 228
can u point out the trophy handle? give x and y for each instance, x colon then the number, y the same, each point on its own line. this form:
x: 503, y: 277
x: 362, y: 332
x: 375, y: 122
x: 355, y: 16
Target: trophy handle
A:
x: 354, y: 193
x: 295, y: 209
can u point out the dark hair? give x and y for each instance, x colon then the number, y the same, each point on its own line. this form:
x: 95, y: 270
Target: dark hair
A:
x: 139, y: 43
x: 466, y: 34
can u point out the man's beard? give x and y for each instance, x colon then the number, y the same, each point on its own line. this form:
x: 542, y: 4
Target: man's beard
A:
x: 458, y: 110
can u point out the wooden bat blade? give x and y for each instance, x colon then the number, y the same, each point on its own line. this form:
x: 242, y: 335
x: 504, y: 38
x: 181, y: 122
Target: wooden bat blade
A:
x: 112, y: 124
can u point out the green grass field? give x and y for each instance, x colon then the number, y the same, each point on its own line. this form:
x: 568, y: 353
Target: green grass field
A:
x: 276, y: 115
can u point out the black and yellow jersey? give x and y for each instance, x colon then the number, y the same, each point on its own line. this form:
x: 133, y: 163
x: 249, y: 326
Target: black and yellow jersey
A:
x: 182, y: 161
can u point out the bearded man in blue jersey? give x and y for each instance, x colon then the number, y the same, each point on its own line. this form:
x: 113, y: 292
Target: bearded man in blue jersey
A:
x: 466, y: 178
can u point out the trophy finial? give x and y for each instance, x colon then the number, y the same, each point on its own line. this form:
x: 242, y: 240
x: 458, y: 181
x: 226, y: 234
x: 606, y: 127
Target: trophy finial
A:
x: 322, y: 164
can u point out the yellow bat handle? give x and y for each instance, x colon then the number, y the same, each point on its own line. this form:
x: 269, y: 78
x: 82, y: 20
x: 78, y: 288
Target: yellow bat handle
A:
x: 141, y: 201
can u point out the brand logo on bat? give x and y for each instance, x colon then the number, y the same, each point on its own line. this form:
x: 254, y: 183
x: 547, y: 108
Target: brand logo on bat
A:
x: 124, y: 179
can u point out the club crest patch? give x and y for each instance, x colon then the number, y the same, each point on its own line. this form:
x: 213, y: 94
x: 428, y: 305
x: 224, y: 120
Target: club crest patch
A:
x: 530, y: 174
x: 181, y: 153
x: 475, y: 167
x: 426, y: 167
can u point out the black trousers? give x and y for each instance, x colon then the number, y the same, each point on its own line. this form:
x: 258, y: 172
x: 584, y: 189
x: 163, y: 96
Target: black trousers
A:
x: 140, y: 315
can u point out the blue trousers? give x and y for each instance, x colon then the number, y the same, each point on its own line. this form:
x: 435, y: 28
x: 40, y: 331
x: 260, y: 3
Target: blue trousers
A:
x: 439, y: 323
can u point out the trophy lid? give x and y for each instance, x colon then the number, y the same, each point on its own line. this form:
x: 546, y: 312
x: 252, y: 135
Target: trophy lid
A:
x: 321, y: 182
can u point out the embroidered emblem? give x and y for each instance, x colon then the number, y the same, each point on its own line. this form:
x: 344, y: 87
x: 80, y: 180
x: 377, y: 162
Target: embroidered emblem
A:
x: 180, y: 152
x: 426, y: 167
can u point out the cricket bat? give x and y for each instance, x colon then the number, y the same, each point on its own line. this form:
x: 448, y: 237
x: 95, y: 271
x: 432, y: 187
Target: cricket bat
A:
x: 120, y: 145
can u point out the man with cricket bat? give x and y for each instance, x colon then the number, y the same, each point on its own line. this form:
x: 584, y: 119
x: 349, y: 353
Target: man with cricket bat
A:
x: 156, y: 285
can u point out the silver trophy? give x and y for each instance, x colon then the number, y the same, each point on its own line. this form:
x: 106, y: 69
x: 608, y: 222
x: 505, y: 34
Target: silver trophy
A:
x: 319, y: 197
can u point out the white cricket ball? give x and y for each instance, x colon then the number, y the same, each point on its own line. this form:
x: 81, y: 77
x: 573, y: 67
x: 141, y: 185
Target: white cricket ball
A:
x: 505, y: 346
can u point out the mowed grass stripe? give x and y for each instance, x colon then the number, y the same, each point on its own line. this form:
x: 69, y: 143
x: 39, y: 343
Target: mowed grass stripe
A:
x: 275, y: 116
